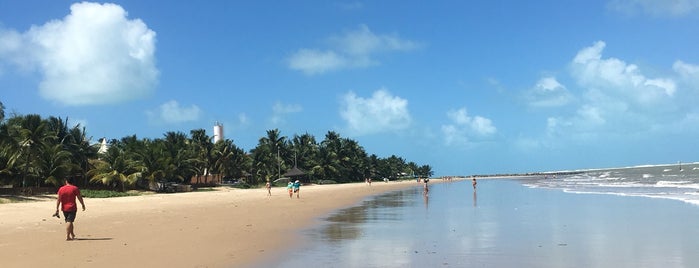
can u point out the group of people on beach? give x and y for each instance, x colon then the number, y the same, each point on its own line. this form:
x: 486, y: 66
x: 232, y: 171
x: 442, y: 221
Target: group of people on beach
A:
x: 294, y: 187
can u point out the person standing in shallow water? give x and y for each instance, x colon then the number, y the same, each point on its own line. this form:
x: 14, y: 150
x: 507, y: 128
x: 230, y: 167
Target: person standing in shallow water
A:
x: 474, y: 183
x: 66, y: 201
x: 426, y: 189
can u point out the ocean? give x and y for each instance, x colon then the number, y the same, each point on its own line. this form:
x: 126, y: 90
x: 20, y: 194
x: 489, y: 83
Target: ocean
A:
x: 625, y: 217
x: 677, y: 181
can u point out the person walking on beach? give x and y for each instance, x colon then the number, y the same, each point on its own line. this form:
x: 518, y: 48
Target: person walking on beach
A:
x: 474, y: 183
x: 297, y: 188
x: 66, y: 201
x: 290, y: 188
x: 269, y: 188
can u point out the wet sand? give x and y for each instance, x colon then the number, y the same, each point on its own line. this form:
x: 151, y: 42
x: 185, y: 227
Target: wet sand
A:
x: 223, y: 228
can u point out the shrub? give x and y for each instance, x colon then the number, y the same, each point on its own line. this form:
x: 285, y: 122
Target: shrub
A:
x: 104, y: 193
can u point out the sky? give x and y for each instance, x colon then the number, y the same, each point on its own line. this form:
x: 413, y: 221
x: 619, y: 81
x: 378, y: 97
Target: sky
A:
x: 467, y: 87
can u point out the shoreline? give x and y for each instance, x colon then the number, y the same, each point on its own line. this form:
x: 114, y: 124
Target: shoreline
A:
x: 223, y: 228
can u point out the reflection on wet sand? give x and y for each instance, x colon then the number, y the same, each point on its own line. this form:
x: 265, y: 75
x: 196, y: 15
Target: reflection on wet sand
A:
x: 345, y: 223
x: 427, y: 200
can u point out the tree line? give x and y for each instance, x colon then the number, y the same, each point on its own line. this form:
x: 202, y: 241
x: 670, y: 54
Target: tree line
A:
x: 37, y: 152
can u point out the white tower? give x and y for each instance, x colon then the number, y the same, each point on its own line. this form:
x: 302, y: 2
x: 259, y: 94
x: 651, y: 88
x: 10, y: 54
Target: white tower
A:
x: 218, y: 132
x: 103, y: 146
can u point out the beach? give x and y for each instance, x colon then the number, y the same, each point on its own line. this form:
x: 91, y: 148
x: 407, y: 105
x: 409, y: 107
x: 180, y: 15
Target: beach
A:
x: 223, y: 228
x: 505, y: 222
x: 502, y: 224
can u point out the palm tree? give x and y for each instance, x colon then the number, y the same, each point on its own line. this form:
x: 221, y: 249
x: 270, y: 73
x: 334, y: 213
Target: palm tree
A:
x: 81, y: 151
x: 29, y: 134
x: 330, y: 165
x: 354, y: 160
x: 306, y: 152
x: 268, y: 155
x: 54, y: 164
x: 202, y: 148
x: 231, y: 160
x: 180, y: 162
x: 153, y: 160
x: 115, y: 169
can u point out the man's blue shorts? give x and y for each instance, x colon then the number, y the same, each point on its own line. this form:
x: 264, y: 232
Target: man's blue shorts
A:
x: 70, y: 215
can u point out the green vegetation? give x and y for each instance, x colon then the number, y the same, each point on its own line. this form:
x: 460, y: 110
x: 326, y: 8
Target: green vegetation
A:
x: 38, y: 152
x: 104, y: 193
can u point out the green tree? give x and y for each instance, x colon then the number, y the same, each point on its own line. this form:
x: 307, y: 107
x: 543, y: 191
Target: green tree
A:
x: 28, y: 135
x: 231, y: 161
x: 202, y: 149
x: 115, y: 169
x: 268, y: 155
x: 54, y: 164
x: 306, y: 152
x: 180, y: 161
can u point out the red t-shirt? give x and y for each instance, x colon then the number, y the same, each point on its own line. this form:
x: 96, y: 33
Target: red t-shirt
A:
x: 67, y: 195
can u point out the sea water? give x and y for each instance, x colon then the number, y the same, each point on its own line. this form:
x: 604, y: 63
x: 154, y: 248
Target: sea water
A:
x: 525, y: 222
x: 677, y: 181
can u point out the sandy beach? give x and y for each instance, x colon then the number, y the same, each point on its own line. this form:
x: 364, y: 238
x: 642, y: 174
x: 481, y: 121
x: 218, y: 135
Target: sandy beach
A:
x: 223, y: 228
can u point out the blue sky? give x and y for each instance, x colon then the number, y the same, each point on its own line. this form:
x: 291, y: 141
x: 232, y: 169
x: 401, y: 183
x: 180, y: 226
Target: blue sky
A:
x: 468, y: 87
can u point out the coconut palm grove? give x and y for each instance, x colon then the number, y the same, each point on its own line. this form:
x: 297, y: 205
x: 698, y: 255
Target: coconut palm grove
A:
x: 41, y: 152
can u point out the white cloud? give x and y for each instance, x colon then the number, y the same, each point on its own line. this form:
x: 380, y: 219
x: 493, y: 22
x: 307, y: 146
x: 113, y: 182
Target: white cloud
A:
x: 688, y: 73
x: 311, y: 61
x: 171, y: 113
x: 94, y: 55
x: 354, y: 49
x: 382, y: 112
x: 280, y: 110
x: 618, y: 98
x: 548, y: 92
x: 616, y: 77
x: 465, y: 128
x: 657, y: 8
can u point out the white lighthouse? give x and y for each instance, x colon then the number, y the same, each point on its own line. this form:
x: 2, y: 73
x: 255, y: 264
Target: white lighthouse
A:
x: 218, y: 132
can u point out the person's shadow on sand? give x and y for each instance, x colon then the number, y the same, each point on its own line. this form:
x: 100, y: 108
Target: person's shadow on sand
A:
x: 92, y: 239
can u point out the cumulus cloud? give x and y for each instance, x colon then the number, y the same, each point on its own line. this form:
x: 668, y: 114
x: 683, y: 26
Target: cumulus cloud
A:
x: 380, y: 113
x: 172, y: 113
x: 548, y: 92
x: 618, y: 77
x: 94, y: 55
x: 464, y: 128
x: 656, y: 8
x: 688, y: 74
x: 619, y: 98
x: 280, y: 110
x: 353, y: 49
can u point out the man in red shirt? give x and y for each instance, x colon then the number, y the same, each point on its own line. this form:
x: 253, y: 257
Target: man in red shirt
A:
x: 66, y: 196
